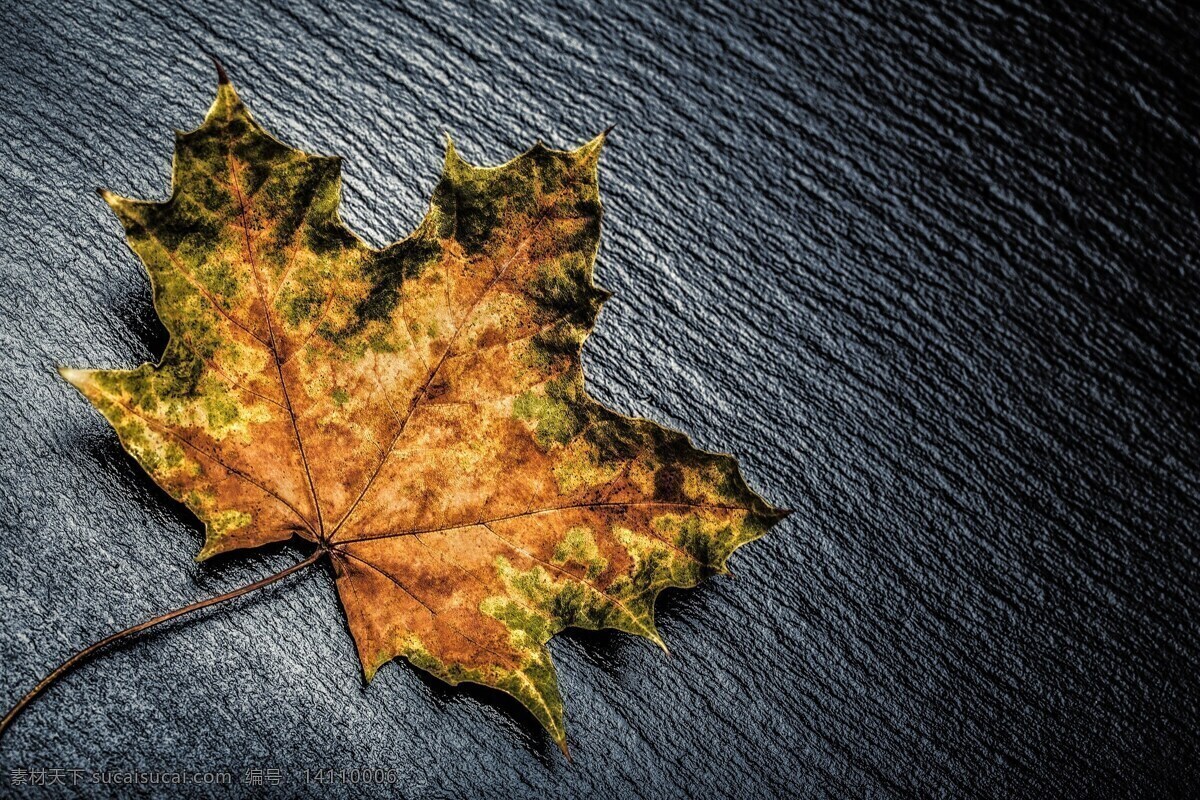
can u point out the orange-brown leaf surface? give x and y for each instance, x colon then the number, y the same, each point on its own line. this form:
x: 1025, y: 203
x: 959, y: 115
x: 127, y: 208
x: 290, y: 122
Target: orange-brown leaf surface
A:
x: 417, y: 412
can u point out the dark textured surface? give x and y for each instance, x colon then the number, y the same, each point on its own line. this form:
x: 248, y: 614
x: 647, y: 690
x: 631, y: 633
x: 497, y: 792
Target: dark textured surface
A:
x: 931, y: 275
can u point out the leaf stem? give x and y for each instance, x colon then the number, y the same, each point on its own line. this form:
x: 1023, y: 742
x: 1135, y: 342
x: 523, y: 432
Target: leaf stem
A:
x: 92, y: 649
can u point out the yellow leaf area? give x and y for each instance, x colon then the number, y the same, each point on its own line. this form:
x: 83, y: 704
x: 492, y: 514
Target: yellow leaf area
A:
x: 417, y: 412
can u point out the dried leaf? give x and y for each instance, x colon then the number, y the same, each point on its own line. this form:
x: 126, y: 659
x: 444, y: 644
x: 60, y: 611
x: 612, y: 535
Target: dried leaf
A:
x: 417, y: 412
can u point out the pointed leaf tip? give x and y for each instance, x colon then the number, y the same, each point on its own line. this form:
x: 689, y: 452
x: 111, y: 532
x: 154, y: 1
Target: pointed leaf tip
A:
x: 75, y: 377
x: 115, y: 201
x: 452, y: 159
x: 591, y: 150
x: 209, y: 550
x: 222, y: 76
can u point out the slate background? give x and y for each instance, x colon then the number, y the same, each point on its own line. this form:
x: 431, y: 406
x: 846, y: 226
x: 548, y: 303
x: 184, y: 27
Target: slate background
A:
x: 929, y: 272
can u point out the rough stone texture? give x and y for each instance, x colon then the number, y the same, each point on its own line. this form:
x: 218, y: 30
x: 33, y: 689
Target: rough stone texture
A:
x: 931, y: 275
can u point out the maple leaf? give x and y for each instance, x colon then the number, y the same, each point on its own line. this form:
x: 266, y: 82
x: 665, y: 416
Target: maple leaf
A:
x: 417, y: 412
